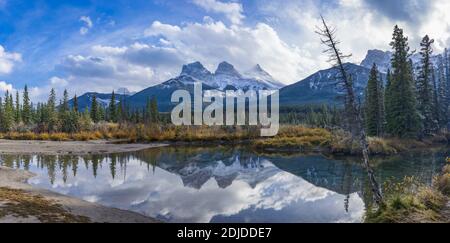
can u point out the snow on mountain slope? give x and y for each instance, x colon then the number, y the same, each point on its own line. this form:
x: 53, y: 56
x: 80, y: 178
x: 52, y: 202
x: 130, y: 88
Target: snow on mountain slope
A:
x: 227, y: 77
x: 383, y: 60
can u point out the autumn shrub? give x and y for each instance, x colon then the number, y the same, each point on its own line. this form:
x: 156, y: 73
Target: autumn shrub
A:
x: 408, y: 201
x: 59, y: 137
x: 296, y: 138
x: 443, y: 183
x: 381, y: 146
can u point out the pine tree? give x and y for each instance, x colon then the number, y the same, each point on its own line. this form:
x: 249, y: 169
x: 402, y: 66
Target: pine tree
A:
x: 403, y: 119
x: 85, y: 120
x: 435, y: 97
x: 373, y: 106
x: 112, y: 110
x: 75, y: 104
x: 424, y: 88
x: 154, y: 111
x: 65, y: 103
x: 447, y: 77
x: 120, y: 111
x: 447, y: 70
x: 381, y: 107
x: 17, y: 110
x: 27, y: 108
x: 148, y: 111
x: 8, y: 113
x: 388, y: 98
x: 443, y: 96
x: 1, y: 115
x: 50, y: 112
x: 95, y: 110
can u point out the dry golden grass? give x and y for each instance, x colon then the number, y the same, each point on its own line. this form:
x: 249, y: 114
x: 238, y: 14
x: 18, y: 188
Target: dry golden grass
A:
x: 412, y: 202
x: 19, y: 203
x: 443, y: 183
x: 381, y: 146
x: 296, y: 138
x: 409, y: 202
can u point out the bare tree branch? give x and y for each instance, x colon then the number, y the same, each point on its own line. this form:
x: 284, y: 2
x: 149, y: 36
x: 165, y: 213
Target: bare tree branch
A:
x: 336, y: 57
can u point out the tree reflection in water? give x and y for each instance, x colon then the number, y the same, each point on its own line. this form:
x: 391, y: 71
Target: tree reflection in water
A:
x: 287, y: 186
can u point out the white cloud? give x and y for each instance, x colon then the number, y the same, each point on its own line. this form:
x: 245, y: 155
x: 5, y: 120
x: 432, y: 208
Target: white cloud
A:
x: 213, y: 42
x: 6, y: 87
x: 58, y: 82
x: 157, y: 28
x: 360, y: 25
x: 135, y: 66
x: 7, y: 60
x: 87, y: 24
x: 232, y: 10
x: 283, y: 41
x: 41, y: 93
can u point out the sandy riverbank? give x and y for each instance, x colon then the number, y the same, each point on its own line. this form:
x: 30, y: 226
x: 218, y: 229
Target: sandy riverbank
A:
x: 41, y: 205
x: 75, y: 147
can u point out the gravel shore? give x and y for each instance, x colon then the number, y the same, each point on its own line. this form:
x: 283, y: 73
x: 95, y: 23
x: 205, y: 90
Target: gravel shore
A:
x: 11, y: 179
x: 75, y: 147
x: 15, y: 191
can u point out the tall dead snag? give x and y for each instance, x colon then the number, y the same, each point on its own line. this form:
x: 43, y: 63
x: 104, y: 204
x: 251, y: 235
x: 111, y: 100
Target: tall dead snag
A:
x: 328, y: 38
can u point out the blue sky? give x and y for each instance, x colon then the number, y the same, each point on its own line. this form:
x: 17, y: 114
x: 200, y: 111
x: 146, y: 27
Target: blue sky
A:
x: 95, y: 45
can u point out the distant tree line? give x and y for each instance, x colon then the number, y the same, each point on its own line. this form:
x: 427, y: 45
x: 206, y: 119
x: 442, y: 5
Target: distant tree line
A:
x: 22, y: 115
x: 314, y: 115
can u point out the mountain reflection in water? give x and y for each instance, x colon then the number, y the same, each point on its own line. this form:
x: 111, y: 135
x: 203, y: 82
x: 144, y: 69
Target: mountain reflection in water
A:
x: 221, y: 184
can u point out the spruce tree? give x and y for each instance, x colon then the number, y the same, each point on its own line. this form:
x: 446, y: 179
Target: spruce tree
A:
x: 447, y: 77
x: 94, y: 109
x: 435, y: 97
x: 75, y: 104
x: 112, y: 110
x: 27, y: 108
x: 148, y: 111
x: 50, y: 112
x: 120, y: 111
x: 17, y: 110
x: 1, y: 114
x: 402, y: 119
x: 381, y: 107
x: 387, y: 98
x: 374, y: 117
x: 424, y: 88
x: 65, y: 103
x: 154, y: 111
x: 8, y: 113
x: 443, y: 96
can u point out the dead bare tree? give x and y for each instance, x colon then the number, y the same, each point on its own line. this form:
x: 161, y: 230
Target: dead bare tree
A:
x: 353, y: 110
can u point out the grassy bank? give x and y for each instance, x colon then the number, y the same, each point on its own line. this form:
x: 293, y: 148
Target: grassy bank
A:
x: 289, y: 138
x: 297, y: 138
x: 412, y: 202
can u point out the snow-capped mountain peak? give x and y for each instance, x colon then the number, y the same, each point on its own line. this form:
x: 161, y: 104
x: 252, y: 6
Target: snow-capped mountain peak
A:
x: 258, y: 73
x: 225, y: 68
x: 196, y: 70
x: 381, y: 58
x: 226, y: 77
x: 124, y: 91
